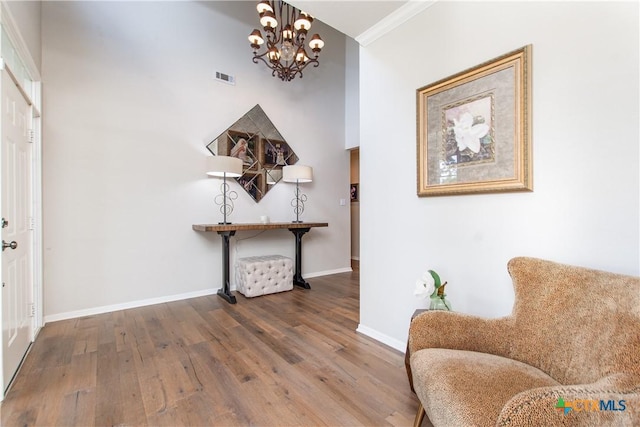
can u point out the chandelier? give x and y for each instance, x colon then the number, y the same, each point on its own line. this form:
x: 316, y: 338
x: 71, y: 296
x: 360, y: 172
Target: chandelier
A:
x: 286, y: 31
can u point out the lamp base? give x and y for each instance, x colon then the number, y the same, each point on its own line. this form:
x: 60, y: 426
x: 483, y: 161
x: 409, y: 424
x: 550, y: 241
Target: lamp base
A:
x: 224, y: 223
x: 297, y: 222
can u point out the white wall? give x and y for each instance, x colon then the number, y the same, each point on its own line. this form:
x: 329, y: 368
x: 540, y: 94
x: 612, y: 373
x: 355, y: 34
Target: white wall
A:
x: 130, y: 104
x: 585, y: 206
x: 352, y: 94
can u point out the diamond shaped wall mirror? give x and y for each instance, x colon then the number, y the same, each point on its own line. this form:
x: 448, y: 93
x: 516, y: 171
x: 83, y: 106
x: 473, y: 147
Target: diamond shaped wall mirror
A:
x: 255, y: 140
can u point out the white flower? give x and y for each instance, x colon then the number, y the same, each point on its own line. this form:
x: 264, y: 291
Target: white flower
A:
x: 427, y: 278
x: 425, y: 286
x: 467, y: 134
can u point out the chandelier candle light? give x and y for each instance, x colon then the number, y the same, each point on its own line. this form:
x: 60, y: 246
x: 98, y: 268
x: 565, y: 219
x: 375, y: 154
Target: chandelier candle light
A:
x: 286, y: 31
x: 297, y: 174
x: 224, y: 166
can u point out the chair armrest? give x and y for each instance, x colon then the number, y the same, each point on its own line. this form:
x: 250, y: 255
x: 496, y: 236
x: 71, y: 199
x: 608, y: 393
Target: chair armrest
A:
x: 612, y: 401
x: 457, y: 331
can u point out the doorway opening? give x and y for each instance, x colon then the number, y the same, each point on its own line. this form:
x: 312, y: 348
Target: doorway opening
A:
x: 355, y: 208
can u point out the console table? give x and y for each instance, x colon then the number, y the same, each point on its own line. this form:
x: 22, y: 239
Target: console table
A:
x: 227, y: 230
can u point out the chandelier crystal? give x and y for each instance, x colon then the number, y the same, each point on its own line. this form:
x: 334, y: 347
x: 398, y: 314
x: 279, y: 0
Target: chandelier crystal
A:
x: 286, y: 31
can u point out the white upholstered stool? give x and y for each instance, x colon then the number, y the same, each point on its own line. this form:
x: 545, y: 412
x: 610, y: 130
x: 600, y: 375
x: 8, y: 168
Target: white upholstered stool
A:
x: 261, y: 275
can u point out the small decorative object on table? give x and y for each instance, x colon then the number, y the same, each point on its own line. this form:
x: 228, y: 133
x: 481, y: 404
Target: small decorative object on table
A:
x: 430, y: 284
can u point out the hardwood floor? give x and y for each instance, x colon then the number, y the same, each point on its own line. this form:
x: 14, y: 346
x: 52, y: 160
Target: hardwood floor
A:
x: 288, y: 359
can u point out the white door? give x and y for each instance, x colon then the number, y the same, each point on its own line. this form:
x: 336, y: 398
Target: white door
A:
x: 16, y: 209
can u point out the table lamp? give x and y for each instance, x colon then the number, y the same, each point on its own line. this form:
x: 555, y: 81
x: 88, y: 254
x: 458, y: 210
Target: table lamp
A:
x: 297, y: 174
x: 224, y: 166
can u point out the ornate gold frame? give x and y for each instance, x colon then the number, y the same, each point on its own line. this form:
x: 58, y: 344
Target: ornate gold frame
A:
x: 500, y: 87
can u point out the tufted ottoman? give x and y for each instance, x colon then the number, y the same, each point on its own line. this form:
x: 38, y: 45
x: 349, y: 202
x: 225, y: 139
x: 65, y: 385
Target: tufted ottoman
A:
x: 261, y: 275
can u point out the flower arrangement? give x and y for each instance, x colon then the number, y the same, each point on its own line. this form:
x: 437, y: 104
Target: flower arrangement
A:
x: 431, y: 285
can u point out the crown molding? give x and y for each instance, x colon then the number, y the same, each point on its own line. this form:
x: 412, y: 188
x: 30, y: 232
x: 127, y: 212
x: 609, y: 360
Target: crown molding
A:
x: 393, y: 20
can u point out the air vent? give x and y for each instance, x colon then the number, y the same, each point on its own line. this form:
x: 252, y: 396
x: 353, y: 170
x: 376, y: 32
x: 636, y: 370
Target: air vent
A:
x: 225, y: 78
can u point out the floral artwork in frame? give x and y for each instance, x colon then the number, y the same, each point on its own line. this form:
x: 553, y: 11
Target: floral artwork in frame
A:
x: 468, y: 134
x: 474, y: 129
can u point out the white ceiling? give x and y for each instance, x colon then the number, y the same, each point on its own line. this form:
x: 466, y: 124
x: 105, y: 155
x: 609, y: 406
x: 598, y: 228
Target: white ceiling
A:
x: 351, y: 17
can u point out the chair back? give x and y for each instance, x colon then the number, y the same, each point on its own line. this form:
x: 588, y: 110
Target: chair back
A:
x: 576, y: 324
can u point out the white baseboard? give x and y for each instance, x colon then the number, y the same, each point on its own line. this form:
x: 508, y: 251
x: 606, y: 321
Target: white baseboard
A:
x: 327, y: 272
x: 384, y: 339
x: 127, y: 305
x: 160, y: 300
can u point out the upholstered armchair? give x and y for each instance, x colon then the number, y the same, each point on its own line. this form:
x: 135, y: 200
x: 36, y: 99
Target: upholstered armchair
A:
x: 569, y: 354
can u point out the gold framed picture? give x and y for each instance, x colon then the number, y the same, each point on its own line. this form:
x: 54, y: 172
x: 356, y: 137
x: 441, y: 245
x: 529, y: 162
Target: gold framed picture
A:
x: 474, y: 129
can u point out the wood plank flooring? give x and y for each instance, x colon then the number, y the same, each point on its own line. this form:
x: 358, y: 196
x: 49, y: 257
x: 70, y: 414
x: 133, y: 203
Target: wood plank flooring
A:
x: 288, y: 359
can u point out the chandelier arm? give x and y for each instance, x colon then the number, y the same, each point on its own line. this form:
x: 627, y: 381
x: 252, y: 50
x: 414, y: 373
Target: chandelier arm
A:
x: 257, y: 57
x: 310, y: 61
x: 274, y: 39
x: 269, y: 64
x: 276, y: 68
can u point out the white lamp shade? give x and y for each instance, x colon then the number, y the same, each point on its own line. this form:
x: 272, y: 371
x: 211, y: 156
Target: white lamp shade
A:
x: 268, y: 19
x: 263, y: 6
x: 297, y: 173
x: 221, y: 165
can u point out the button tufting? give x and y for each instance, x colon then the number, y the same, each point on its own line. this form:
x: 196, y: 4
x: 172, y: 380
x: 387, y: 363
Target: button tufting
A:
x: 264, y: 275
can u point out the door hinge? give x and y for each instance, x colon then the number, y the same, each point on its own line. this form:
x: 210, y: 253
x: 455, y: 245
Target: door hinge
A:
x: 32, y: 223
x: 32, y: 310
x: 31, y: 135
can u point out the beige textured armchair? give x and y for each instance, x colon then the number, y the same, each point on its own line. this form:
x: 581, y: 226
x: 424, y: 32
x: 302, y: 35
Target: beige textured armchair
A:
x: 572, y: 340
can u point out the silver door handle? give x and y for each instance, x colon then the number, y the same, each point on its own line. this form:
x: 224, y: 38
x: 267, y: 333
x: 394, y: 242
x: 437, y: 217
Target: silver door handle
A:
x: 11, y: 245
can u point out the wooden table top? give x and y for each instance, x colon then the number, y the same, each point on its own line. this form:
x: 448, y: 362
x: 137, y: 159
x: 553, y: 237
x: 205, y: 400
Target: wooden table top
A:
x: 240, y: 226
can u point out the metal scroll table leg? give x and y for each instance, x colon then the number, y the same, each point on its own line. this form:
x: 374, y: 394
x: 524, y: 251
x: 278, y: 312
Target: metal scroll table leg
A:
x: 225, y: 291
x: 297, y: 276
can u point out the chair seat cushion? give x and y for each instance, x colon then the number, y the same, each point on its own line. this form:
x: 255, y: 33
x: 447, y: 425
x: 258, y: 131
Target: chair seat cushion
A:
x: 459, y: 387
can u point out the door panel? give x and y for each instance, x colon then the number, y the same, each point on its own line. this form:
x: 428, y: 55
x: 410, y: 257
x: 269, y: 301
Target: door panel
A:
x: 16, y: 209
